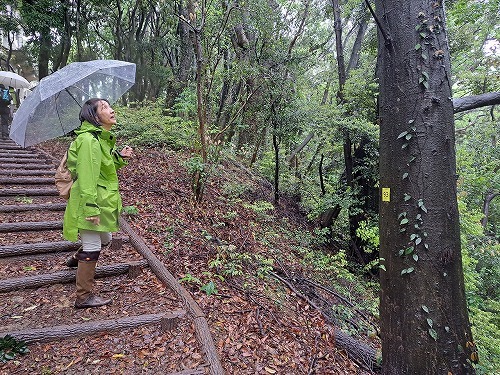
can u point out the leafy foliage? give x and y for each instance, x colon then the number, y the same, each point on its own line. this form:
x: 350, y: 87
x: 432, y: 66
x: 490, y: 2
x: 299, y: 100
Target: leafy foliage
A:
x: 148, y: 126
x: 10, y: 347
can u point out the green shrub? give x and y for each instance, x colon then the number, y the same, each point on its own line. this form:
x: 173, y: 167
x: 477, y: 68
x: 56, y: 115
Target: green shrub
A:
x: 149, y: 126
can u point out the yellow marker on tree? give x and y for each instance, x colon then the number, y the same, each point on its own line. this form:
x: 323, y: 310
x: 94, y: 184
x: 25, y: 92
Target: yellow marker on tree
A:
x: 386, y: 194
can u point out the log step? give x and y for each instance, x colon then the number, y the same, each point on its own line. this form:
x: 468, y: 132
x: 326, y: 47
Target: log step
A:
x: 5, y: 146
x: 33, y: 207
x: 17, y: 154
x: 28, y: 192
x: 23, y: 161
x: 38, y: 248
x: 26, y: 166
x: 30, y: 226
x: 167, y: 321
x: 30, y: 172
x: 26, y: 180
x: 64, y: 277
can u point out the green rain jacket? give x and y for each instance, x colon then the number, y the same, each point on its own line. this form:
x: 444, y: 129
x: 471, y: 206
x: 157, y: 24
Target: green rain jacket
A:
x: 93, y: 162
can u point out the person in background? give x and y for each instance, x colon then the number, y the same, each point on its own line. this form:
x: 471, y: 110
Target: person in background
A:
x: 94, y: 204
x: 5, y: 101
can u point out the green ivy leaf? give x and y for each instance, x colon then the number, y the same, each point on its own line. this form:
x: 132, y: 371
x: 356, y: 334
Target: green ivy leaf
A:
x: 407, y: 197
x: 404, y: 221
x: 415, y: 257
x: 409, y: 250
x: 430, y: 322
x: 418, y: 240
x: 418, y: 46
x: 425, y: 308
x: 433, y: 334
x: 402, y: 134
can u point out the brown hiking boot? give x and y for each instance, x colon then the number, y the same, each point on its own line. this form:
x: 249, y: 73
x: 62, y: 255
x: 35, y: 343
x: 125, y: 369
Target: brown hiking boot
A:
x: 85, y: 283
x: 92, y: 301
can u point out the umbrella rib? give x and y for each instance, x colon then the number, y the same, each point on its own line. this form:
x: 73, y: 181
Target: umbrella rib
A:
x: 58, y: 116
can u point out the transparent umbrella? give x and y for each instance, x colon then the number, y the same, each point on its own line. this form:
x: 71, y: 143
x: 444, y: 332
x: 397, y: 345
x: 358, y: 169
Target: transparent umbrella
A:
x: 52, y: 109
x: 10, y: 79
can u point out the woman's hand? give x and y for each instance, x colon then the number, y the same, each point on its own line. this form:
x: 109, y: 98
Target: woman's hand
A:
x: 94, y: 220
x: 126, y: 152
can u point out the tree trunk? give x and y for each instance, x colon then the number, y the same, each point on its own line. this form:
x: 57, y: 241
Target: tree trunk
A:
x: 44, y: 56
x: 424, y: 323
x: 486, y: 208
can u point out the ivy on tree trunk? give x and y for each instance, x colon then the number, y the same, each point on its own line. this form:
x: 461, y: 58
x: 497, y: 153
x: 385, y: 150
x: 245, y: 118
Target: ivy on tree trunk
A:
x: 424, y: 322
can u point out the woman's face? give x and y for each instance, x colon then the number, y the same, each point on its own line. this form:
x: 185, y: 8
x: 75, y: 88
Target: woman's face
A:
x: 106, y: 114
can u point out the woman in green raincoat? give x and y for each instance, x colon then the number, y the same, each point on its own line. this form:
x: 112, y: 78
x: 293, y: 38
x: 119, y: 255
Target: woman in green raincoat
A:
x: 94, y: 204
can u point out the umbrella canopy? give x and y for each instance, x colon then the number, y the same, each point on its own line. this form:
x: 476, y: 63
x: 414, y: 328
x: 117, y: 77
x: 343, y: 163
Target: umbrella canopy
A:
x: 13, y: 80
x: 52, y: 109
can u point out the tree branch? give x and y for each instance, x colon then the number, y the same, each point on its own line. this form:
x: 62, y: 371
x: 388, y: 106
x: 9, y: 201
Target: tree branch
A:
x: 476, y: 101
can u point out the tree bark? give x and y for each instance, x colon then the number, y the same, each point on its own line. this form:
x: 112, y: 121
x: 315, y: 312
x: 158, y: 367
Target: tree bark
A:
x: 38, y: 248
x: 475, y: 101
x: 26, y: 166
x: 22, y: 161
x: 28, y: 154
x: 30, y: 172
x: 28, y: 192
x: 61, y: 277
x: 424, y: 323
x: 30, y: 226
x: 33, y: 207
x: 90, y: 328
x: 26, y: 181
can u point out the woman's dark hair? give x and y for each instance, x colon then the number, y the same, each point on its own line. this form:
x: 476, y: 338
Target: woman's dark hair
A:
x: 89, y: 111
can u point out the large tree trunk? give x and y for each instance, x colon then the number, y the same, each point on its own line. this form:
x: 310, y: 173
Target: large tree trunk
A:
x: 424, y: 323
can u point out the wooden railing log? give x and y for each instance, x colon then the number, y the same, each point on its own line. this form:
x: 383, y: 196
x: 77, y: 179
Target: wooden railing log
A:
x: 200, y: 323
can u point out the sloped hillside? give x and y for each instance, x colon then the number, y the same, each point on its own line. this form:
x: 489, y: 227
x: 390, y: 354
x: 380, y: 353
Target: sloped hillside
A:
x: 273, y: 296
